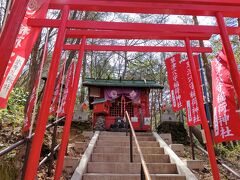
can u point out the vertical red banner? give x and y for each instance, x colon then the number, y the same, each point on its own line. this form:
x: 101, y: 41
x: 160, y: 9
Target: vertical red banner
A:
x: 173, y: 80
x: 24, y: 43
x: 57, y: 96
x: 67, y: 89
x: 33, y: 98
x: 191, y: 104
x: 226, y: 120
x: 182, y: 90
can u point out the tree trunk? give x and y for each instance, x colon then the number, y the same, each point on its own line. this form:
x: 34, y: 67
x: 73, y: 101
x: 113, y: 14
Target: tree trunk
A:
x: 34, y: 65
x: 84, y: 65
x: 206, y: 65
x: 125, y: 65
x: 33, y: 69
x: 91, y: 65
x: 198, y: 134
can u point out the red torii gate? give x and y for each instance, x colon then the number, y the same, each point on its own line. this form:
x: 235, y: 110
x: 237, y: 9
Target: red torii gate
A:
x: 114, y: 30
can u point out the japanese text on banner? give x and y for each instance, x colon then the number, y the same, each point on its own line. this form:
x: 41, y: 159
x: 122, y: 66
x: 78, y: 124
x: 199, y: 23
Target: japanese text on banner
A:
x: 192, y: 109
x: 226, y: 120
x: 24, y: 43
x: 173, y: 80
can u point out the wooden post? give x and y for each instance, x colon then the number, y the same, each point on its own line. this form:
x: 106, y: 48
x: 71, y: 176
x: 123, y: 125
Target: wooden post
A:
x: 233, y: 69
x: 34, y: 155
x: 209, y: 143
x: 69, y: 112
x: 191, y: 142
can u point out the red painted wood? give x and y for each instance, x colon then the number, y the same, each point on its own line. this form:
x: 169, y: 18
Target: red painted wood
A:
x: 102, y: 108
x: 229, y: 53
x: 10, y: 32
x: 34, y: 154
x: 136, y: 27
x: 197, y: 87
x: 69, y: 114
x: 136, y: 35
x: 198, y: 8
x: 110, y: 118
x: 139, y: 48
x: 108, y: 121
x: 222, y: 2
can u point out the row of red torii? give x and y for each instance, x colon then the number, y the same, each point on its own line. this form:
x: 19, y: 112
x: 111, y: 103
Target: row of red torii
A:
x: 118, y: 30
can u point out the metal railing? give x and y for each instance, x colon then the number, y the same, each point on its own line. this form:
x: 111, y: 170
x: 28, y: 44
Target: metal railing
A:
x: 144, y: 170
x: 219, y: 161
x: 23, y: 141
x: 27, y: 142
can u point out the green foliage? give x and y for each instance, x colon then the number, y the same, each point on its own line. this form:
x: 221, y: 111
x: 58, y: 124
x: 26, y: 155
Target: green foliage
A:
x: 8, y: 170
x: 8, y: 166
x: 14, y: 113
x: 11, y: 120
x: 18, y: 97
x: 228, y: 151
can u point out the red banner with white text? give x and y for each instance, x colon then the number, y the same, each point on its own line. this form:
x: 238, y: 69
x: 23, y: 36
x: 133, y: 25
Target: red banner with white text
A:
x: 182, y: 90
x: 67, y: 90
x: 226, y: 121
x: 173, y: 80
x: 24, y: 43
x: 191, y: 104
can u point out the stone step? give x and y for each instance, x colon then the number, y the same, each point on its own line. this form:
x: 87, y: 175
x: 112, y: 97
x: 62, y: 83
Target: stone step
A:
x: 100, y: 176
x: 178, y: 149
x: 124, y: 133
x: 126, y: 138
x: 70, y: 164
x: 125, y: 143
x: 130, y: 168
x: 80, y: 147
x: 118, y: 157
x: 117, y: 149
x: 87, y: 133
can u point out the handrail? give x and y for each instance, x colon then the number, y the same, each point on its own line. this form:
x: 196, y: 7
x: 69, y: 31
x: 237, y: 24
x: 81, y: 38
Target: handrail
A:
x: 22, y: 141
x: 144, y: 168
x: 48, y: 156
x: 26, y: 141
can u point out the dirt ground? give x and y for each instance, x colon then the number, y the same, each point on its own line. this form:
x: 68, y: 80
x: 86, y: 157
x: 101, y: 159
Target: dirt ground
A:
x: 206, y: 174
x: 75, y: 135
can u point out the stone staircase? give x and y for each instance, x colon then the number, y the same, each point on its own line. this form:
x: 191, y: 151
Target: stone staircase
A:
x: 110, y: 159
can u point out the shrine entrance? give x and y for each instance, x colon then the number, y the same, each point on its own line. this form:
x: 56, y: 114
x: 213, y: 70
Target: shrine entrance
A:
x: 83, y: 30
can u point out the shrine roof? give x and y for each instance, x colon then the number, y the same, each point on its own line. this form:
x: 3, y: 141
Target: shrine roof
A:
x: 122, y: 83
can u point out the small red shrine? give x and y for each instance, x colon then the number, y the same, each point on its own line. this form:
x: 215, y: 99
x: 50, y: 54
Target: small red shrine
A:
x: 109, y: 99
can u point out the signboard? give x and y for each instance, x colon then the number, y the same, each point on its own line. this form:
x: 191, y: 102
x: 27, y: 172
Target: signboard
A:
x: 134, y: 119
x: 147, y: 121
